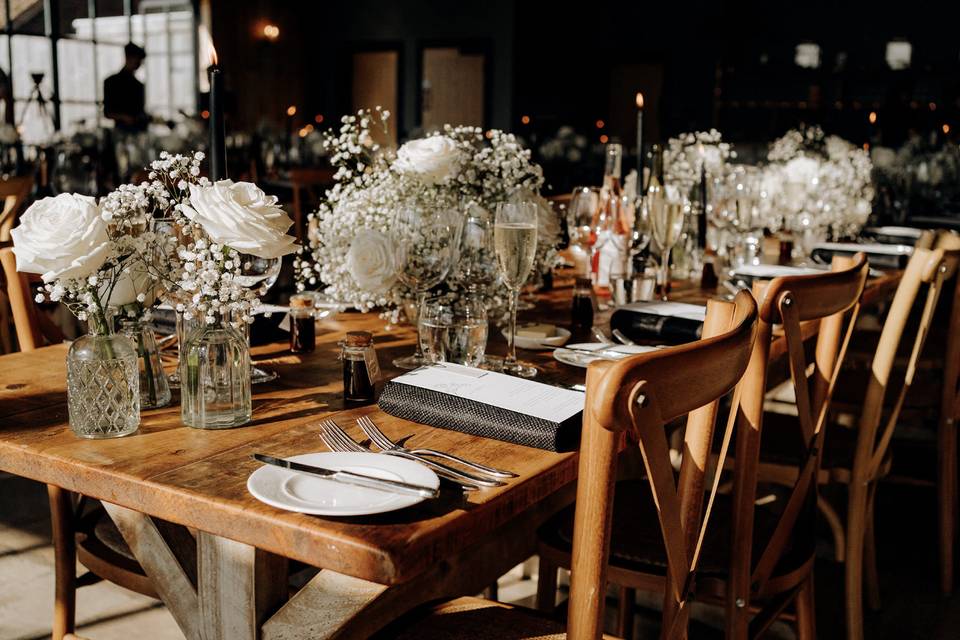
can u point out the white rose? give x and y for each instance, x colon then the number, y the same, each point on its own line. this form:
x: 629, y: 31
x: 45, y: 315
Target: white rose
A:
x: 241, y: 216
x: 433, y: 159
x: 802, y: 169
x: 61, y: 237
x: 372, y: 260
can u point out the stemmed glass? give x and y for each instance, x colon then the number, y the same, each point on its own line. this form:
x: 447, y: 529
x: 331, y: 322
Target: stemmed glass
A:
x: 515, y: 239
x: 666, y: 224
x: 475, y: 268
x: 263, y: 273
x: 426, y: 247
x: 583, y: 214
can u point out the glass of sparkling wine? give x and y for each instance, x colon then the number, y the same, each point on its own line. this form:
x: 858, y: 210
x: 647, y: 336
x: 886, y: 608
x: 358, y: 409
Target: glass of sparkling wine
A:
x: 666, y: 223
x: 515, y: 243
x: 453, y: 330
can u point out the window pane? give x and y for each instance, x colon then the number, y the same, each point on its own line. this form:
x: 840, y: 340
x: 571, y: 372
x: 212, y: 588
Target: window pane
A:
x: 31, y: 55
x: 168, y: 69
x: 72, y: 14
x: 27, y: 16
x: 5, y: 67
x: 74, y: 116
x: 77, y: 81
x: 112, y: 25
x: 109, y: 61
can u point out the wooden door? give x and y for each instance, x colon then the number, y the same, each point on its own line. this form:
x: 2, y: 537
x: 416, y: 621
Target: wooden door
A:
x: 375, y: 84
x: 452, y: 87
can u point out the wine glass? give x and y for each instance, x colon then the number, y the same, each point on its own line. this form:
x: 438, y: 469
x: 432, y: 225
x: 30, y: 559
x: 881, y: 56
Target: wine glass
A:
x: 582, y: 213
x: 475, y: 268
x: 427, y: 248
x: 263, y: 273
x: 515, y: 239
x: 666, y: 224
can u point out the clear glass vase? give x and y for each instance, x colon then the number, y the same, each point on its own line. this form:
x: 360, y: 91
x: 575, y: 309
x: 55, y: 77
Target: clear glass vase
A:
x: 103, y: 384
x: 215, y: 377
x: 154, y: 389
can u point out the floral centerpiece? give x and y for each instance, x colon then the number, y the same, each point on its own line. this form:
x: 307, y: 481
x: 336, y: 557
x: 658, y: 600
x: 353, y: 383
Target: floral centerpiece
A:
x: 823, y: 180
x: 353, y: 253
x: 687, y: 155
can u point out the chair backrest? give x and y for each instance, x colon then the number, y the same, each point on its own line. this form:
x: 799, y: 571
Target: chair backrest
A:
x: 790, y: 302
x: 13, y: 193
x: 641, y: 395
x: 949, y: 242
x: 926, y: 268
x: 21, y: 302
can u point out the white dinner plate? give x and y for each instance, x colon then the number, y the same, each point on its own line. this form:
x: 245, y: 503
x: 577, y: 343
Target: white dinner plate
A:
x: 540, y: 343
x: 582, y: 354
x: 318, y: 496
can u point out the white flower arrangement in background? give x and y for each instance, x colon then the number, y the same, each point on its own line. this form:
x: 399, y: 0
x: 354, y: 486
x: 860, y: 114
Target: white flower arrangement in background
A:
x: 688, y: 153
x: 353, y: 254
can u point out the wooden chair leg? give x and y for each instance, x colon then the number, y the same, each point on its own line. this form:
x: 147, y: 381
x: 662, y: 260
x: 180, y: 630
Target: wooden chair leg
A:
x: 806, y: 611
x: 871, y: 576
x: 947, y: 499
x: 546, y: 586
x: 65, y: 562
x: 836, y: 527
x: 626, y: 612
x: 853, y: 566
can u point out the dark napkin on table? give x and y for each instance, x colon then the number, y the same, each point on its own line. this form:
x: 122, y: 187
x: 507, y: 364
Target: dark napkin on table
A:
x: 668, y: 322
x: 880, y: 256
x: 454, y: 405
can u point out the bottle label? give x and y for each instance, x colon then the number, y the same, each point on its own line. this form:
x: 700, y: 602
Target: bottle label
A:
x: 373, y: 365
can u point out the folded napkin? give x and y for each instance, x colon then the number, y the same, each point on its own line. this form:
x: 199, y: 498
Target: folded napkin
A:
x: 669, y: 322
x: 487, y: 404
x: 881, y: 256
x: 893, y: 235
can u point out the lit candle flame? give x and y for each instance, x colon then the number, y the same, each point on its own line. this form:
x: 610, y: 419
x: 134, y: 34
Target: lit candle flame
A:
x: 639, y: 100
x: 213, y: 56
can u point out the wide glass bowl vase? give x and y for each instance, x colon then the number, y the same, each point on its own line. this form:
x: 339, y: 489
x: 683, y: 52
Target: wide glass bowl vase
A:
x: 215, y: 377
x: 103, y: 385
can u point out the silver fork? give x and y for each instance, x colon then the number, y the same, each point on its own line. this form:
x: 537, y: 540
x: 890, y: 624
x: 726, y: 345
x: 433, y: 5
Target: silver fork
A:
x: 338, y: 440
x: 381, y: 440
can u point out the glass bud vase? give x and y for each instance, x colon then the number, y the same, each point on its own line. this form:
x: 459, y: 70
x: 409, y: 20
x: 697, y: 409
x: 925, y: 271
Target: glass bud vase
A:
x: 215, y: 377
x: 154, y: 389
x: 103, y: 385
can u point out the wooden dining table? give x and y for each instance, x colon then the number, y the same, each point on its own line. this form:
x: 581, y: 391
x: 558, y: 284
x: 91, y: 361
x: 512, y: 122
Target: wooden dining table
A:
x: 218, y: 557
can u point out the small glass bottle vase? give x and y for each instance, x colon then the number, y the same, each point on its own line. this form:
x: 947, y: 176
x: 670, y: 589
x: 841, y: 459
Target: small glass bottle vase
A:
x: 103, y: 385
x: 215, y: 377
x: 154, y: 389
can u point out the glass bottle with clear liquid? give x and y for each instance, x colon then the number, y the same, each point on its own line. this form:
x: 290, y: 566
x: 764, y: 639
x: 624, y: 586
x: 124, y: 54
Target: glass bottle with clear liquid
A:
x: 612, y: 228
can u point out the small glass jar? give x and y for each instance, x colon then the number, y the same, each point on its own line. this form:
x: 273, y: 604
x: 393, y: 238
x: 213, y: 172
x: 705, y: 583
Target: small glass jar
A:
x: 361, y: 369
x: 581, y: 315
x: 215, y: 377
x: 154, y: 390
x: 103, y: 388
x: 303, y: 330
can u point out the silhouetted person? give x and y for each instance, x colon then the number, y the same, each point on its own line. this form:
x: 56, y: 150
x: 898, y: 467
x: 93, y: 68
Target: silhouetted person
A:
x: 123, y: 94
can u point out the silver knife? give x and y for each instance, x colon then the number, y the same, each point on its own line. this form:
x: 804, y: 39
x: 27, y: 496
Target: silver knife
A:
x: 349, y: 477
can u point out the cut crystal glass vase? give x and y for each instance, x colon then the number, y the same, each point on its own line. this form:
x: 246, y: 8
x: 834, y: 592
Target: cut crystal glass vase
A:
x: 103, y: 384
x: 215, y: 377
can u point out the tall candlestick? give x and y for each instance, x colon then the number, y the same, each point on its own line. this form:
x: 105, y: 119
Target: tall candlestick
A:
x: 641, y: 186
x: 218, y: 147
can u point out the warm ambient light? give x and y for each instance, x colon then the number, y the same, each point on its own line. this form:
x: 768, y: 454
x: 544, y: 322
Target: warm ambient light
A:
x: 872, y: 117
x: 214, y: 60
x: 292, y: 110
x: 639, y: 100
x: 604, y: 138
x: 600, y: 124
x: 271, y: 32
x: 204, y: 114
x: 525, y: 119
x: 933, y: 106
x: 945, y: 128
x: 488, y: 135
x: 318, y: 118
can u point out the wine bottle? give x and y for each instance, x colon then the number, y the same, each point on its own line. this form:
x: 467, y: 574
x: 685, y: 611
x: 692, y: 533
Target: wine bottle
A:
x: 640, y: 326
x: 612, y: 257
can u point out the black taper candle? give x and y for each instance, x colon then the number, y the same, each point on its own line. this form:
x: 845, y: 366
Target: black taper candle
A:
x: 218, y: 147
x: 702, y: 218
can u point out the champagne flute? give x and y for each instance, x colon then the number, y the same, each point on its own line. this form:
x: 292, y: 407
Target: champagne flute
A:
x: 666, y: 224
x: 262, y: 273
x: 515, y: 240
x: 427, y: 248
x: 581, y: 217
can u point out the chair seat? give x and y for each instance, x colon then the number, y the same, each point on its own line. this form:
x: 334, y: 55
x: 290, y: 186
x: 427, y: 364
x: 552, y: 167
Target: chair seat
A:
x: 636, y: 542
x: 474, y: 619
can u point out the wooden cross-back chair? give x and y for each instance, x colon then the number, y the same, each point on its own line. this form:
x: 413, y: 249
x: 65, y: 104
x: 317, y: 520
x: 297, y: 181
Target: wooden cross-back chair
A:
x: 305, y: 182
x: 75, y: 528
x: 859, y: 458
x: 636, y: 396
x: 13, y: 193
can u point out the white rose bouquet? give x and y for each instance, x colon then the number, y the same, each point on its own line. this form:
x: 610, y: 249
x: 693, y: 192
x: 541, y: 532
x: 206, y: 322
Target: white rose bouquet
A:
x: 354, y: 251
